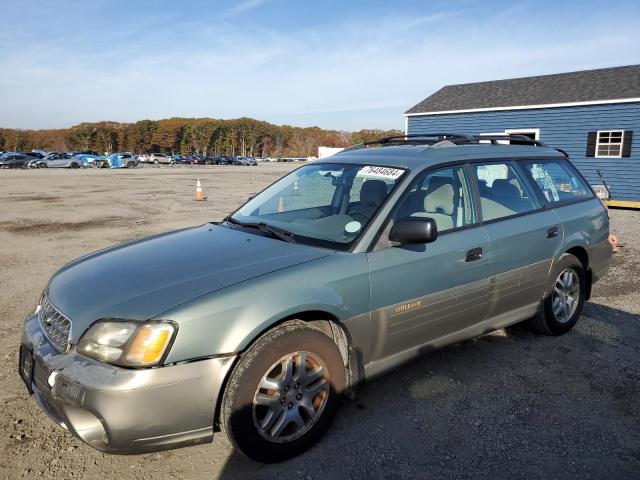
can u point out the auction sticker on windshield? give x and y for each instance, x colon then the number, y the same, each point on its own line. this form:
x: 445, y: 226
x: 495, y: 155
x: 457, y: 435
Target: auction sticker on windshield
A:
x: 381, y: 172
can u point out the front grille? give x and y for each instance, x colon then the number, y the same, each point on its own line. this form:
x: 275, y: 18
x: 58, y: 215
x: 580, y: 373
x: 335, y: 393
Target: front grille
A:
x: 56, y: 326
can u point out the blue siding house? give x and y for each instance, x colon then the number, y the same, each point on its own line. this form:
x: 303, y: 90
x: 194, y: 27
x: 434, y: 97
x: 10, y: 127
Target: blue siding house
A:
x: 593, y: 115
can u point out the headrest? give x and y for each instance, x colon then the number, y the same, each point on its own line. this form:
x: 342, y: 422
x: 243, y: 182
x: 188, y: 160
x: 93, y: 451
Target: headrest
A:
x: 516, y: 183
x: 373, y: 192
x: 437, y: 181
x: 440, y: 200
x: 504, y: 189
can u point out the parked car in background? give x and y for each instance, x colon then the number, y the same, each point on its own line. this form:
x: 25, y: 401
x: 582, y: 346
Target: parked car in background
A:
x: 160, y: 158
x: 178, y: 159
x: 88, y: 159
x: 61, y: 160
x: 195, y: 160
x: 247, y: 161
x: 15, y: 160
x: 33, y: 154
x: 101, y: 162
x: 122, y: 160
x: 36, y: 163
x: 225, y: 160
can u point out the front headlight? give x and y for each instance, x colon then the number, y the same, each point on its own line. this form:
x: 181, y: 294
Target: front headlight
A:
x: 129, y: 344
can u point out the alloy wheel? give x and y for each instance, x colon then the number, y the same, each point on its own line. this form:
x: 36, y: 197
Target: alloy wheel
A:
x: 291, y: 397
x: 566, y: 293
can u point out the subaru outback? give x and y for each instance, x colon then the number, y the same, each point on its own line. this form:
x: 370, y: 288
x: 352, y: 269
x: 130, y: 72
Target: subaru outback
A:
x: 338, y: 272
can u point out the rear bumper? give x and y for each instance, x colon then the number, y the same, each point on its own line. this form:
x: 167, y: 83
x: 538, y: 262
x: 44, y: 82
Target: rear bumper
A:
x: 119, y: 410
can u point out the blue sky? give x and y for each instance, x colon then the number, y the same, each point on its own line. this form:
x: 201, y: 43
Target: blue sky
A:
x: 335, y: 64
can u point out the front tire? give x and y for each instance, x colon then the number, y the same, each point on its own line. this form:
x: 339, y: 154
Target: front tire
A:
x: 562, y: 306
x: 283, y: 393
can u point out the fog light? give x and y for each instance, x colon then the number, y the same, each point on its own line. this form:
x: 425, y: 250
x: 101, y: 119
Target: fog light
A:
x: 52, y: 378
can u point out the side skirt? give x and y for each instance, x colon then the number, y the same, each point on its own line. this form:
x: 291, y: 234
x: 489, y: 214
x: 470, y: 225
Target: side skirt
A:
x: 379, y: 367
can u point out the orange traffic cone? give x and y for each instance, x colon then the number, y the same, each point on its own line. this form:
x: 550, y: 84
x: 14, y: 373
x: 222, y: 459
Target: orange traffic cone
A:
x: 613, y: 240
x: 281, y: 205
x: 199, y: 193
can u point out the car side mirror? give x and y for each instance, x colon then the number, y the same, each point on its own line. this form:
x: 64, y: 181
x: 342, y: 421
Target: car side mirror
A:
x: 414, y: 230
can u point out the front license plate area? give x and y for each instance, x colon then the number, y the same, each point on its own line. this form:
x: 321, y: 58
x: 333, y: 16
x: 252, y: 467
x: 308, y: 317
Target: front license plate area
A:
x: 26, y: 366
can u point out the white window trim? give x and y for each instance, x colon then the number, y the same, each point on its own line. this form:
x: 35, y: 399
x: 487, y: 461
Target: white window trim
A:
x: 512, y: 131
x: 517, y: 131
x: 598, y: 143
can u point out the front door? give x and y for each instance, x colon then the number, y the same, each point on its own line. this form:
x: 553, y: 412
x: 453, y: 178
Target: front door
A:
x: 420, y: 293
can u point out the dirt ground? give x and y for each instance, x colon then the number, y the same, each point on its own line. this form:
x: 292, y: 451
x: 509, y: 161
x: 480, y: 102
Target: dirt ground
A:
x: 507, y: 405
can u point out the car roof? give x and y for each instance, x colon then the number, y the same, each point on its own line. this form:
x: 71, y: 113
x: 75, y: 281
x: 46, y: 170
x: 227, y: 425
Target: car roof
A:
x: 417, y: 157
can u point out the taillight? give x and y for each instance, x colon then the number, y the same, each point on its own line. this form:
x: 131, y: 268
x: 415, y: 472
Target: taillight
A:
x: 604, y: 205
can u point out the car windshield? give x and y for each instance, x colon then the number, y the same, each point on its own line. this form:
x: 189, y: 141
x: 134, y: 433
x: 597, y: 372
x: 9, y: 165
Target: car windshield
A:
x: 320, y: 204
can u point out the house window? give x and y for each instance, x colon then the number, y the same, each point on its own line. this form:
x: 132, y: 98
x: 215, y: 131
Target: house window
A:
x: 609, y: 143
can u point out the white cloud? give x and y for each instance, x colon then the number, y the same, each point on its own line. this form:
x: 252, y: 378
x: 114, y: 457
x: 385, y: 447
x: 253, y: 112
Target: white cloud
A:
x: 241, y: 8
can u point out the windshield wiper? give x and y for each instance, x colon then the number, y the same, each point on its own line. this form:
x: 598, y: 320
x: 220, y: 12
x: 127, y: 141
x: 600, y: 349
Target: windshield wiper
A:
x: 274, y: 232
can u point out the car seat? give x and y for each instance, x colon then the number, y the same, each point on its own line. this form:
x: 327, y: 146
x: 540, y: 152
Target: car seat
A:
x: 372, y: 194
x: 439, y: 205
x: 507, y: 194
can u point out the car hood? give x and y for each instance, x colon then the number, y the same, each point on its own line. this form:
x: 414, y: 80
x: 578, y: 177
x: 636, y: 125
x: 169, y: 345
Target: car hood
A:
x: 141, y: 279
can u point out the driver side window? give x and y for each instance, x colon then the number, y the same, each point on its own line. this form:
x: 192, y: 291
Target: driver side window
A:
x: 443, y: 195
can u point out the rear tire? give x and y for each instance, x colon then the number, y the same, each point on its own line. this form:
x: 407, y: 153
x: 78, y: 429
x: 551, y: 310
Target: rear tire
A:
x: 562, y: 306
x: 281, y: 421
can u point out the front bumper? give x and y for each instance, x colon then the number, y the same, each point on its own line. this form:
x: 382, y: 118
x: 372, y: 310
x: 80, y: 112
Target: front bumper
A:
x: 121, y: 410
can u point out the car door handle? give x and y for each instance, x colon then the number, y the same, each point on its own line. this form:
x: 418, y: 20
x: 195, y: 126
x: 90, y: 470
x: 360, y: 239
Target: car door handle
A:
x: 552, y: 232
x: 474, y: 254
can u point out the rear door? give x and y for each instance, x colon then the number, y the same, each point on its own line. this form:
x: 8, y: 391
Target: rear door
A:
x: 425, y: 292
x: 585, y: 222
x: 524, y: 237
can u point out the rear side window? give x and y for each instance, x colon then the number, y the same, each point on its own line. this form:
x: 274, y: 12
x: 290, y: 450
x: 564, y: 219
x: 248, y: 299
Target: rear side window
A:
x: 502, y: 191
x: 558, y: 180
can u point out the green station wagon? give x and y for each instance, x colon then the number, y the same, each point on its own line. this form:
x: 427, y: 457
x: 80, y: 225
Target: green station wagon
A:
x: 338, y: 272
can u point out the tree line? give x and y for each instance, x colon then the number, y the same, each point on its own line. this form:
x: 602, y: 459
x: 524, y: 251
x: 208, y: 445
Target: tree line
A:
x: 184, y: 136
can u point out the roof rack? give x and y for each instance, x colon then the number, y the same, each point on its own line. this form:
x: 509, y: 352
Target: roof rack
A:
x: 495, y: 139
x: 419, y: 139
x: 413, y: 139
x: 455, y: 138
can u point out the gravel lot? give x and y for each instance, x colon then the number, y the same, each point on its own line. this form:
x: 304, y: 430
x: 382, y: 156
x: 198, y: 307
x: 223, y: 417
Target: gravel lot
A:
x: 508, y: 404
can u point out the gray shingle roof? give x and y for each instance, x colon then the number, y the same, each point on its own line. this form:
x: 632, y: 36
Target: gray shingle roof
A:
x: 585, y: 86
